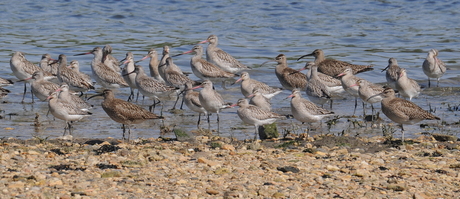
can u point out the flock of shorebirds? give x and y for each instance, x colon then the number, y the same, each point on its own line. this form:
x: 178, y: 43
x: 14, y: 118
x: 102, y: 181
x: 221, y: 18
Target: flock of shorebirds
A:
x: 58, y: 82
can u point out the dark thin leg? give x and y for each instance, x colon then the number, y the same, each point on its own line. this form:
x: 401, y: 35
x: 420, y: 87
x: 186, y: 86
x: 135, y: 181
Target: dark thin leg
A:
x: 199, y: 119
x: 209, y: 123
x: 331, y: 104
x: 175, y: 103
x: 124, y: 130
x: 24, y: 94
x: 356, y: 104
x: 218, y: 124
x: 402, y: 132
x: 131, y: 95
x: 129, y: 132
x: 429, y: 83
x: 137, y: 96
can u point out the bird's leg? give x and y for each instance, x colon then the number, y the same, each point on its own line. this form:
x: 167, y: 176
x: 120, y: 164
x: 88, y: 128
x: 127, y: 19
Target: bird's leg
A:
x: 131, y: 96
x: 209, y: 123
x: 137, y: 96
x: 437, y: 84
x: 402, y: 132
x: 124, y: 130
x: 331, y: 104
x: 182, y: 103
x: 218, y: 124
x: 24, y: 94
x: 356, y: 104
x: 199, y: 119
x: 257, y: 132
x: 129, y: 132
x: 429, y: 83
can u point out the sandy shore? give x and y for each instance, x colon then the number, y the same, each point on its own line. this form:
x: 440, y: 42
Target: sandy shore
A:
x: 328, y: 167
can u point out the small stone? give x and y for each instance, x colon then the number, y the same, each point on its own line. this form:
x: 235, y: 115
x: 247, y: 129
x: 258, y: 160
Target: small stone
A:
x: 288, y: 169
x: 444, y: 138
x: 332, y: 168
x: 212, y: 191
x: 228, y: 147
x: 14, y: 185
x: 55, y: 182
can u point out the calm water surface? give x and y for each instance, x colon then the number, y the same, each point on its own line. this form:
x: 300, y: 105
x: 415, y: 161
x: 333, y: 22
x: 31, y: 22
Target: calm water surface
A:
x: 254, y: 31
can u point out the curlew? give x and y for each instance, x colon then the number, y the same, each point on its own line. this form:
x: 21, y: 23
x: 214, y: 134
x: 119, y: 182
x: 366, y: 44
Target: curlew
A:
x: 254, y: 115
x: 248, y: 86
x: 103, y: 74
x: 306, y: 111
x: 65, y: 111
x: 211, y: 101
x: 392, y: 72
x: 221, y: 58
x: 288, y: 77
x: 403, y: 111
x: 406, y: 86
x: 124, y: 112
x: 334, y: 67
x: 433, y: 67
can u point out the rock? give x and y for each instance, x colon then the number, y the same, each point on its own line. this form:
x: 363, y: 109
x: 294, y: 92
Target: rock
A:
x: 54, y: 182
x: 268, y: 131
x: 332, y: 168
x: 444, y: 138
x: 211, y: 191
x: 183, y: 136
x: 228, y: 147
x: 208, y: 162
x: 16, y: 185
x: 288, y: 169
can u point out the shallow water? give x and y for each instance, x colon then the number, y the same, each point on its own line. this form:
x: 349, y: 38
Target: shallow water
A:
x: 361, y: 32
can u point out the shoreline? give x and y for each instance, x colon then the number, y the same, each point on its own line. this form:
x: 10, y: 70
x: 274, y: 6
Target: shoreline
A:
x: 219, y: 167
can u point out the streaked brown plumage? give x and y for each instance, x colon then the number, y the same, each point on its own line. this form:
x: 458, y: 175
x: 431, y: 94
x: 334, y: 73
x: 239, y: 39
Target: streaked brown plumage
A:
x: 403, y: 111
x: 288, y: 77
x: 124, y: 112
x: 334, y: 67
